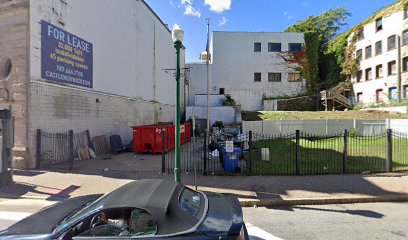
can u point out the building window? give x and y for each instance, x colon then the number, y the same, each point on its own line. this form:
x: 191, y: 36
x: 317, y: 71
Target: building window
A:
x: 360, y: 33
x: 379, y: 96
x: 222, y: 91
x: 405, y: 64
x: 378, y: 25
x: 294, y: 77
x: 405, y: 12
x: 359, y: 55
x: 405, y: 37
x: 379, y: 71
x: 405, y: 91
x: 274, y: 47
x: 257, y: 47
x: 393, y: 93
x: 257, y: 77
x: 391, y: 42
x: 274, y: 77
x: 359, y: 76
x: 368, y: 74
x: 295, y: 47
x: 368, y: 53
x: 378, y: 48
x: 360, y: 97
x: 392, y: 68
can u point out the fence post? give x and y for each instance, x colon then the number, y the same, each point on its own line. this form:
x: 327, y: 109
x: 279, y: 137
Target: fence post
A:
x: 71, y: 149
x: 250, y: 145
x: 88, y: 135
x: 389, y: 151
x: 38, y: 150
x: 163, y: 150
x: 205, y: 153
x: 297, y: 152
x: 345, y: 150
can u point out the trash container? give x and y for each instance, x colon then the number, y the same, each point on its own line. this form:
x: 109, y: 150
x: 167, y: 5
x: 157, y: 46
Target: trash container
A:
x: 231, y: 160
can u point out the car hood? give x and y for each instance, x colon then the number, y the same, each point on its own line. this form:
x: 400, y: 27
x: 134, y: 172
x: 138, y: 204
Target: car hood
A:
x: 44, y: 221
x: 224, y: 216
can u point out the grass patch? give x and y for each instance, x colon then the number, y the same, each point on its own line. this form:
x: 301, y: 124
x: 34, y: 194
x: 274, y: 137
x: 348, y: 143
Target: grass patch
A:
x: 352, y: 114
x: 325, y: 156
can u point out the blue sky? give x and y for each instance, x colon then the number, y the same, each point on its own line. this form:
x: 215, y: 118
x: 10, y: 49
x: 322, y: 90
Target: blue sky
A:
x: 249, y: 15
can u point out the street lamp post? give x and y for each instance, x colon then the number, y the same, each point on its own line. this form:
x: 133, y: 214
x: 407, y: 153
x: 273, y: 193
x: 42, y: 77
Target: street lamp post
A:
x: 177, y: 35
x: 207, y: 57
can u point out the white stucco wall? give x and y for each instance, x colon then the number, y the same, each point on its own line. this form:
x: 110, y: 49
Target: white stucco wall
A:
x: 225, y: 114
x: 235, y: 62
x: 393, y: 24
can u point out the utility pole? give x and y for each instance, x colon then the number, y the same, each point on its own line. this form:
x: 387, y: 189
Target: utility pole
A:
x: 208, y: 74
x: 399, y: 68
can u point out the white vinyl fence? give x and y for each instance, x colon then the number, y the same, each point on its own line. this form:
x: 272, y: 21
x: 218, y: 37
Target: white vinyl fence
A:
x: 324, y: 127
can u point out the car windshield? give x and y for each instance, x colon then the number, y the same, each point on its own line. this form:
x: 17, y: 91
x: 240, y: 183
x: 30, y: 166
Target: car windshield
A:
x: 79, y: 214
x: 190, y: 201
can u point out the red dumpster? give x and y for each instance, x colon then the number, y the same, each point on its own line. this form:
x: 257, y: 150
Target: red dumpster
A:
x: 148, y: 138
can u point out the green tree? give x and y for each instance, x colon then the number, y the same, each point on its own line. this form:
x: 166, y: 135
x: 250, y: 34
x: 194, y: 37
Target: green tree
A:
x: 325, y: 27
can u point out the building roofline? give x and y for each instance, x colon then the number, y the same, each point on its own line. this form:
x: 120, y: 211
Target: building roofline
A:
x: 257, y: 32
x: 157, y: 16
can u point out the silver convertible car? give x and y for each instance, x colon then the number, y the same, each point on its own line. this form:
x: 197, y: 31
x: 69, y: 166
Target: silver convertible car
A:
x: 146, y: 209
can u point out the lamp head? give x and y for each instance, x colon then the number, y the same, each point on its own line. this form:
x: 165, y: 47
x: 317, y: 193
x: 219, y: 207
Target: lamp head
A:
x: 177, y: 33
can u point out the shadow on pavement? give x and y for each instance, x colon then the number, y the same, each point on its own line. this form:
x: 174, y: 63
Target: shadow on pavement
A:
x: 363, y: 213
x: 18, y: 189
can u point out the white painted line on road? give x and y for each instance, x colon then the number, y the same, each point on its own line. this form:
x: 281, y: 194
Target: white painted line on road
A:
x: 258, y: 234
x: 13, y: 216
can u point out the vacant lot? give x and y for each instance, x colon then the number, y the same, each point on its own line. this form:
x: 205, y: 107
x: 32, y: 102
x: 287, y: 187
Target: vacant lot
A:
x: 325, y: 156
x: 276, y: 115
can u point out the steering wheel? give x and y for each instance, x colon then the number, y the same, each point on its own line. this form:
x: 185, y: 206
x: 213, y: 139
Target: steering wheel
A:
x: 96, y: 221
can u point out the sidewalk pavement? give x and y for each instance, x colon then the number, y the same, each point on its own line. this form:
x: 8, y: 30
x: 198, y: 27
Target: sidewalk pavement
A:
x: 251, y: 190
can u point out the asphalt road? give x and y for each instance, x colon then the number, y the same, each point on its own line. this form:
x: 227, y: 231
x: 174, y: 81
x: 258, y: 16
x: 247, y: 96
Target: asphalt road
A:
x: 350, y: 221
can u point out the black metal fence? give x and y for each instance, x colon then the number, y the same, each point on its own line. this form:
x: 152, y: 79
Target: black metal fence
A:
x: 58, y: 150
x: 299, y: 153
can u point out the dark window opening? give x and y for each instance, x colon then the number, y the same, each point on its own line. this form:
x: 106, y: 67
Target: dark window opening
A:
x: 392, y: 68
x: 222, y: 91
x: 295, y: 47
x: 257, y: 77
x: 378, y: 24
x: 378, y: 48
x: 359, y: 76
x: 274, y: 47
x: 391, y: 42
x: 368, y: 74
x: 274, y: 77
x: 257, y: 47
x: 379, y: 71
x: 368, y: 53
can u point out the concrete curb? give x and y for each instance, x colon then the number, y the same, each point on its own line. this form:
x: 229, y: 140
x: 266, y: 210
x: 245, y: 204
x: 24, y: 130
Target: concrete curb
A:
x: 323, y: 201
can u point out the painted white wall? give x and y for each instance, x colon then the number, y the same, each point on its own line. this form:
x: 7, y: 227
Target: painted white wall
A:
x: 197, y: 77
x: 393, y: 24
x: 215, y: 100
x: 235, y: 62
x: 324, y: 127
x: 131, y: 45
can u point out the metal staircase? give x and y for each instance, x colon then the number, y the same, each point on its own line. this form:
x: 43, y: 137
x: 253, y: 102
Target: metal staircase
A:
x: 335, y: 97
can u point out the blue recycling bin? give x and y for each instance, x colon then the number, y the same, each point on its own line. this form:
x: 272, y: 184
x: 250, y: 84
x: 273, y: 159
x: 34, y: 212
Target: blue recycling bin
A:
x: 231, y: 160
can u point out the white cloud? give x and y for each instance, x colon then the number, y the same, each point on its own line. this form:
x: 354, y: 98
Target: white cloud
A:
x: 222, y: 21
x: 191, y: 11
x: 288, y: 15
x: 218, y: 6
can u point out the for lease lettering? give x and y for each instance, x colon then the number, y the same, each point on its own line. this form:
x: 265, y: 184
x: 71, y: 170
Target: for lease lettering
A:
x: 67, y: 38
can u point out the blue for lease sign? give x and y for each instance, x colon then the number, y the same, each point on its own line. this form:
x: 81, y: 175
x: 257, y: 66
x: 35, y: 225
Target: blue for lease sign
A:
x: 65, y: 58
